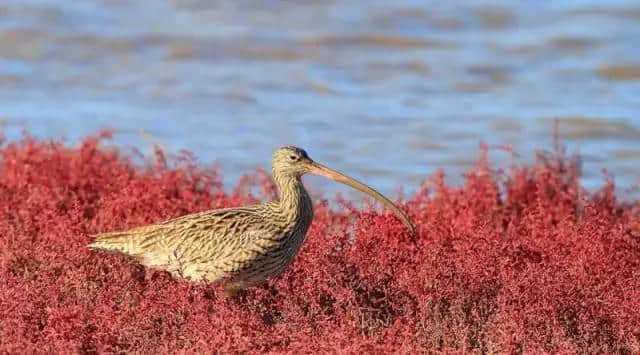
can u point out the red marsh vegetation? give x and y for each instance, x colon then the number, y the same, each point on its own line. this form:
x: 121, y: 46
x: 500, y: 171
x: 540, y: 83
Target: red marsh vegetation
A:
x: 524, y: 261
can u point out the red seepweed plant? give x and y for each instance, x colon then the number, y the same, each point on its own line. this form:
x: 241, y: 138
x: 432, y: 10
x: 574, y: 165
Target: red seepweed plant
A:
x: 527, y: 261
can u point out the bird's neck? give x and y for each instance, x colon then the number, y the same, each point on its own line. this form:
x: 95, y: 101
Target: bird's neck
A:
x: 294, y: 202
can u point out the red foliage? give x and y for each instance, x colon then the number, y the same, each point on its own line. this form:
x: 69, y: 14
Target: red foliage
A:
x: 523, y: 262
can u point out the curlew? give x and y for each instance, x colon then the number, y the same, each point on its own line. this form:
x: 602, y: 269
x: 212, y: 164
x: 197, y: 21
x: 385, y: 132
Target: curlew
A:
x: 243, y: 246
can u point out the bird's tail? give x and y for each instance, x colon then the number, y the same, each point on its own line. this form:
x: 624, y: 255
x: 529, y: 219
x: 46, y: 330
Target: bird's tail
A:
x: 119, y: 242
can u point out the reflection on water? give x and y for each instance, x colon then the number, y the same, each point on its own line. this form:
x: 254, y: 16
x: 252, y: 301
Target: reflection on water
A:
x: 385, y: 92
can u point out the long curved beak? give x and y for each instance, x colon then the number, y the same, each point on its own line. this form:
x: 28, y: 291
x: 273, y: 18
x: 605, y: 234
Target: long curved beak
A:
x: 318, y: 169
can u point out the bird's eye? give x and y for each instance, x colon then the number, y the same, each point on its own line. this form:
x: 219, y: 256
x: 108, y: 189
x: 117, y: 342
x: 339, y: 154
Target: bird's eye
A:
x: 293, y: 157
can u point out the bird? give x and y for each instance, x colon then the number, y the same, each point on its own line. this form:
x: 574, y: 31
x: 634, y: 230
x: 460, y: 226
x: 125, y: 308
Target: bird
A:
x: 242, y: 246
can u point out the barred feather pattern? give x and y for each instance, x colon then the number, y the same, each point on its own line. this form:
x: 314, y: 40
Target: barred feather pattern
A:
x: 244, y: 245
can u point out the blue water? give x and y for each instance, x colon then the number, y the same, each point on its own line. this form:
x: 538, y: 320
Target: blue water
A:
x: 385, y: 92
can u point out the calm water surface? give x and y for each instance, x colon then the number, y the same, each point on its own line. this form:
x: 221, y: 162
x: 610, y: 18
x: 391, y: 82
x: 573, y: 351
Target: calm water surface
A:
x: 385, y: 92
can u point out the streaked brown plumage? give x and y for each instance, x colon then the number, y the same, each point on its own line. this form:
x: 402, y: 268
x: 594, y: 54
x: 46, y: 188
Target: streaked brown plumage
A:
x: 244, y: 245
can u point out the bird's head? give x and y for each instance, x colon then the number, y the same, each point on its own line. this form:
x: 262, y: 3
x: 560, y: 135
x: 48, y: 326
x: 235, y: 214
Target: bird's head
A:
x: 293, y: 162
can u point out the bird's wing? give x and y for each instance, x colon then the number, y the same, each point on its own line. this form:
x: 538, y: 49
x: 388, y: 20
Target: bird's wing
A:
x: 189, y: 239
